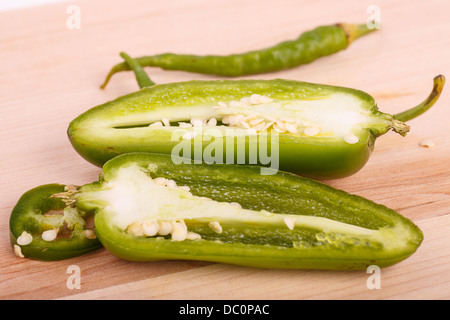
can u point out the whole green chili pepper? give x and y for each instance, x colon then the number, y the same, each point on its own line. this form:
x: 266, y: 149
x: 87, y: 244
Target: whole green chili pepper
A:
x: 314, y: 130
x: 319, y: 42
x: 148, y: 208
x: 44, y: 227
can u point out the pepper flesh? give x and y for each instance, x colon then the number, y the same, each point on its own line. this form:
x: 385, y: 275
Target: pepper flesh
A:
x: 277, y: 221
x: 122, y: 125
x: 37, y: 212
x: 309, y: 46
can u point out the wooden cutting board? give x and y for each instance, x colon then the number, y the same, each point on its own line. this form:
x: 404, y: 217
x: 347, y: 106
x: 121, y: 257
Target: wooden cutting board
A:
x: 51, y: 72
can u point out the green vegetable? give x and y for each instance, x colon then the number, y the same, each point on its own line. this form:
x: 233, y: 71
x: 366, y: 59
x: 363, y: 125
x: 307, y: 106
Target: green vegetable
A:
x: 43, y: 227
x: 319, y: 42
x: 148, y: 208
x: 314, y: 130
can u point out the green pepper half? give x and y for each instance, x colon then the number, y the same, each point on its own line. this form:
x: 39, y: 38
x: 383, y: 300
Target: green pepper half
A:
x: 315, y: 130
x: 44, y: 227
x: 148, y: 208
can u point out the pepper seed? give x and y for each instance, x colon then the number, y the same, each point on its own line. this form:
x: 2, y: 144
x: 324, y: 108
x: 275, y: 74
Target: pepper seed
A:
x: 24, y: 239
x: 18, y: 251
x: 49, y: 235
x: 215, y: 226
x: 311, y: 131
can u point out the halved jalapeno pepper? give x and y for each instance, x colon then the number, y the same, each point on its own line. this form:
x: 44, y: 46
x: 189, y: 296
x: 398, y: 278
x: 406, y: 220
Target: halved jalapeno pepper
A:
x: 44, y: 227
x: 148, y: 208
x: 315, y: 130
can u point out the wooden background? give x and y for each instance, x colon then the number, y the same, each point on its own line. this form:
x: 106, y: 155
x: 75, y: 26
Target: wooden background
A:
x: 49, y: 74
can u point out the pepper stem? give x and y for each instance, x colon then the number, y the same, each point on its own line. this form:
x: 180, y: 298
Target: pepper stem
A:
x: 142, y: 77
x: 438, y: 85
x: 355, y: 31
x: 400, y: 127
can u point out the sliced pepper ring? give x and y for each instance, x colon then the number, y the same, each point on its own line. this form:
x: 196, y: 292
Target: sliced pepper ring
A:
x: 44, y: 227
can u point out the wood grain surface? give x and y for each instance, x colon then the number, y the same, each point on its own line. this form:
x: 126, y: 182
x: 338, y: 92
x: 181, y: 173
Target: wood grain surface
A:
x: 50, y: 74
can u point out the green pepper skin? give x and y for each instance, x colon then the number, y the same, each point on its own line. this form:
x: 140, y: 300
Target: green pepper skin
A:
x: 27, y: 216
x: 99, y: 134
x: 270, y: 246
x: 309, y: 46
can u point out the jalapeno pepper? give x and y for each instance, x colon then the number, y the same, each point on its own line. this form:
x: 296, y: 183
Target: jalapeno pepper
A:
x: 309, y: 46
x: 148, y: 208
x: 44, y: 227
x: 314, y: 130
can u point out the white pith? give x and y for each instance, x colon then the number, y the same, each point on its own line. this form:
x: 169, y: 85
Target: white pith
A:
x: 335, y: 115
